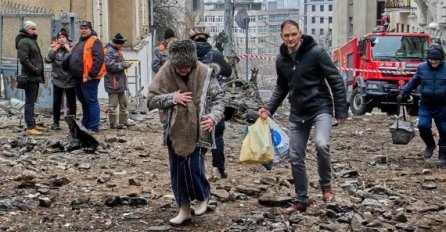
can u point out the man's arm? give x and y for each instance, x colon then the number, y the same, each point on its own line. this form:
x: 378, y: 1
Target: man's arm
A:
x: 413, y: 83
x: 23, y: 55
x: 111, y: 64
x: 226, y: 69
x: 98, y: 58
x: 336, y: 84
x: 156, y: 60
x: 280, y: 92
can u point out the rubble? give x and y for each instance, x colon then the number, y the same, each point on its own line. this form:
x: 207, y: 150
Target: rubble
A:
x: 48, y: 186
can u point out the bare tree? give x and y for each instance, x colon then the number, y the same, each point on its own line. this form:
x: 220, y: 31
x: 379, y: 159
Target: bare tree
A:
x: 169, y: 14
x: 165, y: 15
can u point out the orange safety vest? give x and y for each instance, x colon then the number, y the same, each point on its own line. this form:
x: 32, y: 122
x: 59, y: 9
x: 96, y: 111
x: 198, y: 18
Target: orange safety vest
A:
x: 88, y: 60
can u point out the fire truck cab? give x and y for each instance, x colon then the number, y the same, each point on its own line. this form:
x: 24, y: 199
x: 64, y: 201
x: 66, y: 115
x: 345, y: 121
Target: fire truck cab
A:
x: 376, y: 66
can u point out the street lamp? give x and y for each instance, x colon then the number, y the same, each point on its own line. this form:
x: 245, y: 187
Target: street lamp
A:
x: 438, y: 31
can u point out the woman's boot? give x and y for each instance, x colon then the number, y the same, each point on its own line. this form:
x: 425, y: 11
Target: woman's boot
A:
x: 201, y: 207
x: 183, y: 216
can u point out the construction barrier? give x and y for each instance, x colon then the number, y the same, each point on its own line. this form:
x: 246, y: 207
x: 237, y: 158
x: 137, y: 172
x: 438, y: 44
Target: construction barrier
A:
x: 396, y: 72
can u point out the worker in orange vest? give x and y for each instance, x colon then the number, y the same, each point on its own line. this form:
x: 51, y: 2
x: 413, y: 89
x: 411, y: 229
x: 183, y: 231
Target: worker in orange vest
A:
x: 86, y: 65
x: 159, y: 57
x: 161, y: 52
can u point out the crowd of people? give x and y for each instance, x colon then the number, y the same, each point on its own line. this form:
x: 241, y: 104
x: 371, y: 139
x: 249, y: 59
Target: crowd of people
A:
x: 188, y: 91
x: 76, y: 72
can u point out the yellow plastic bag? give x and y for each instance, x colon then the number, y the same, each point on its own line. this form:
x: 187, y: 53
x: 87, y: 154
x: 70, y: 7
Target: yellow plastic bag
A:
x: 257, y: 147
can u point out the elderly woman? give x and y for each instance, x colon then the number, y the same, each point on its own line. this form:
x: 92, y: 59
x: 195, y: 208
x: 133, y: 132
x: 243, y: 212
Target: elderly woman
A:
x: 189, y: 93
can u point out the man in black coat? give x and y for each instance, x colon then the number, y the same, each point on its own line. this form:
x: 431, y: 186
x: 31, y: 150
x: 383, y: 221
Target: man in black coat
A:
x: 207, y: 55
x: 312, y: 83
x: 28, y: 52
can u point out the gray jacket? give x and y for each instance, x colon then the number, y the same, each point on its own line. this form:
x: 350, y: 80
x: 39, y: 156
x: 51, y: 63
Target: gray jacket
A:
x: 115, y: 79
x: 60, y: 78
x: 160, y: 56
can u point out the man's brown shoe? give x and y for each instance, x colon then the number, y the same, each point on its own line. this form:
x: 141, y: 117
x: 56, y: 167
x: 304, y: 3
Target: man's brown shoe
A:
x: 296, y: 207
x: 33, y: 132
x: 327, y: 194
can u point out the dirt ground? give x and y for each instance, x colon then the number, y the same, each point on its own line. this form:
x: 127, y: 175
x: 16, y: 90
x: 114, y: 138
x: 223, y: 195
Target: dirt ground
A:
x: 125, y: 185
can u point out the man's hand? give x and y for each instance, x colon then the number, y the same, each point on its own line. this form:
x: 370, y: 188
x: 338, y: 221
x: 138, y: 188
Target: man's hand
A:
x: 264, y: 113
x: 126, y: 65
x: 182, y: 98
x: 207, y: 123
x: 56, y: 47
x: 400, y: 98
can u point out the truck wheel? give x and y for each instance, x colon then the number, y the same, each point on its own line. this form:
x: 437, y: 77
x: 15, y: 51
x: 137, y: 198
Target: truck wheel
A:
x: 358, y: 103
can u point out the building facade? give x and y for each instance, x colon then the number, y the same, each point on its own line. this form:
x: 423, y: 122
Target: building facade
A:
x: 131, y: 18
x: 317, y: 20
x: 355, y: 18
x: 265, y: 18
x: 428, y: 16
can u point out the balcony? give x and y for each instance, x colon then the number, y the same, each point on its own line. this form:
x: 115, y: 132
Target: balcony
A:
x: 397, y: 4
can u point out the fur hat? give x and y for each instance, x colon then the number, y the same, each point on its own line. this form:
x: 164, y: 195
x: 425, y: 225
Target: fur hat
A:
x: 435, y: 53
x: 119, y: 39
x: 29, y: 24
x: 63, y: 32
x: 86, y: 24
x: 199, y: 32
x: 183, y: 53
x: 169, y: 33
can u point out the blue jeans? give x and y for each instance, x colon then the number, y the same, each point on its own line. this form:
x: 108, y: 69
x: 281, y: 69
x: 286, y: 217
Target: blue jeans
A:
x: 87, y: 93
x: 425, y: 116
x: 299, y: 135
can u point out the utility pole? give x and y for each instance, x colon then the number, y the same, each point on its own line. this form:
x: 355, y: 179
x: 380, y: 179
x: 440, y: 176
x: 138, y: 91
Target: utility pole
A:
x: 229, y: 25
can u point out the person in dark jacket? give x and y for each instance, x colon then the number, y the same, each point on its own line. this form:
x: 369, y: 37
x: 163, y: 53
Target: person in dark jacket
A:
x: 306, y: 74
x: 161, y: 53
x: 431, y: 75
x: 30, y: 57
x: 86, y: 65
x: 63, y: 82
x: 115, y: 83
x: 207, y: 55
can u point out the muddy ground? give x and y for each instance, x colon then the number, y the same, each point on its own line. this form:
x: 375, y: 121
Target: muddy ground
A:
x: 124, y: 186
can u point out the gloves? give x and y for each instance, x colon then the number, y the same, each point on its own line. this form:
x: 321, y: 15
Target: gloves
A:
x: 400, y: 98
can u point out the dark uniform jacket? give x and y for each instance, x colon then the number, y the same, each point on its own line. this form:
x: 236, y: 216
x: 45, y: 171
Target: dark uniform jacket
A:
x: 28, y: 52
x: 160, y: 56
x: 204, y: 50
x: 307, y: 81
x: 76, y: 59
x: 115, y: 80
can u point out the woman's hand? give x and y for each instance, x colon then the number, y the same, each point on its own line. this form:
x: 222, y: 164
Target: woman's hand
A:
x: 207, y: 123
x: 182, y: 98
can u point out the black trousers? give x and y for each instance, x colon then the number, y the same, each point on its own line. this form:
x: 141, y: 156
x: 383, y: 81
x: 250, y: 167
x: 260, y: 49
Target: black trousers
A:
x: 218, y: 154
x: 31, y: 91
x: 57, y: 102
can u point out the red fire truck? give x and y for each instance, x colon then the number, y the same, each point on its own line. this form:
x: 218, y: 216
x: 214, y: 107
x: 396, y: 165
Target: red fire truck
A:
x: 375, y: 67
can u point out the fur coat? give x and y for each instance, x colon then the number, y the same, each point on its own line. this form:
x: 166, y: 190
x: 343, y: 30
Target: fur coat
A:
x: 183, y: 122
